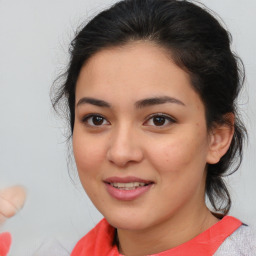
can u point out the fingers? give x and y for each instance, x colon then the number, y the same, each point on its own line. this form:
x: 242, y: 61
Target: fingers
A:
x: 11, y: 201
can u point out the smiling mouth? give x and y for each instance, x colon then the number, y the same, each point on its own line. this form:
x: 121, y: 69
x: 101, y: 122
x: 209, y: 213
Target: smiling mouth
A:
x: 127, y: 188
x: 129, y: 185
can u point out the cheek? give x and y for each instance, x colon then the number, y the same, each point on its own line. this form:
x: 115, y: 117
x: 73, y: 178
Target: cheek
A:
x: 89, y: 156
x: 178, y: 153
x: 88, y: 153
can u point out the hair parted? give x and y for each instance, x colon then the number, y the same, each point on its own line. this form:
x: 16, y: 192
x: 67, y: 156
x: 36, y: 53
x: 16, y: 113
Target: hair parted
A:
x: 196, y: 42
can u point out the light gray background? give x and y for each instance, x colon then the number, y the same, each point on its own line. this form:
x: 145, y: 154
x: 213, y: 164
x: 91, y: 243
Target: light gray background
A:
x: 34, y: 38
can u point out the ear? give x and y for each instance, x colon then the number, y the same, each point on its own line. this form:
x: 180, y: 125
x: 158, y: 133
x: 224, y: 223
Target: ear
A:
x: 220, y: 139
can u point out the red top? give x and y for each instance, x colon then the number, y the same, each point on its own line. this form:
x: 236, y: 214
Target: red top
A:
x: 99, y: 241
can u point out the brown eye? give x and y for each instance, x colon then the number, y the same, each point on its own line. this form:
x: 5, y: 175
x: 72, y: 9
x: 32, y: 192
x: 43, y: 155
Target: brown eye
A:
x: 159, y: 120
x: 95, y: 120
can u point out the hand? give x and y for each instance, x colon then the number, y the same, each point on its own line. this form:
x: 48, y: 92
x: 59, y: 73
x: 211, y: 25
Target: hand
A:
x: 11, y: 201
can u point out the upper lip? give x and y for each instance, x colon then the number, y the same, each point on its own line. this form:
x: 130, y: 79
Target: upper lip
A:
x: 126, y: 180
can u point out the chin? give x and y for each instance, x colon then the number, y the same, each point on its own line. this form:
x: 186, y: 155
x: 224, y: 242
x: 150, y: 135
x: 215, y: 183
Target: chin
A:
x: 126, y: 222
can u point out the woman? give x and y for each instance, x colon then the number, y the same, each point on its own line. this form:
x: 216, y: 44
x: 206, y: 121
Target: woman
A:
x: 151, y: 90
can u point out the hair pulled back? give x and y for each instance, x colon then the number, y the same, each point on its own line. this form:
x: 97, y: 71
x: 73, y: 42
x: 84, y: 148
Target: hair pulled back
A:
x: 196, y: 42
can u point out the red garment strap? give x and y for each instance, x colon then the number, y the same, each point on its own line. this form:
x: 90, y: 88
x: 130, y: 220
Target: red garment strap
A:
x: 208, y: 242
x: 99, y: 241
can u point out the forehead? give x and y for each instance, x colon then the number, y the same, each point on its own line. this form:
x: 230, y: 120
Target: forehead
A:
x: 136, y: 70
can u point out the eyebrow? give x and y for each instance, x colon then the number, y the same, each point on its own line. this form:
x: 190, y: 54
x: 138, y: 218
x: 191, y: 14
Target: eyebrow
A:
x: 156, y: 101
x: 93, y: 101
x: 139, y: 104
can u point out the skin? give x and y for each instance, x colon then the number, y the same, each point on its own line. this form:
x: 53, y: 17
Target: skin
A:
x: 11, y: 201
x: 127, y: 142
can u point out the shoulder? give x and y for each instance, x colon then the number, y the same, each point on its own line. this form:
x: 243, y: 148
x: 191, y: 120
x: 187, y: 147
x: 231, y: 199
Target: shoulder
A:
x: 242, y: 242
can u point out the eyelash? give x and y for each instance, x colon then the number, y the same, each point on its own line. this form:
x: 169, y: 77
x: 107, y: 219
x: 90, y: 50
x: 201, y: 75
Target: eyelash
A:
x: 167, y: 118
x: 89, y: 118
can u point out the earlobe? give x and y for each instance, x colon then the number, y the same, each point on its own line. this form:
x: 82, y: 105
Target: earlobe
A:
x: 220, y: 139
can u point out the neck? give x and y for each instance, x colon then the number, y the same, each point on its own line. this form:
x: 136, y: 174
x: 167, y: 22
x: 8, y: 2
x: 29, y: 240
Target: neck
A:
x: 166, y: 235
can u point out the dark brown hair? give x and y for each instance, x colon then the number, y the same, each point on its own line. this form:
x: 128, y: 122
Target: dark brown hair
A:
x: 197, y: 43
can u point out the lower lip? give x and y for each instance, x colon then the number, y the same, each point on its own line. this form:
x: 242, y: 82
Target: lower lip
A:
x: 127, y: 195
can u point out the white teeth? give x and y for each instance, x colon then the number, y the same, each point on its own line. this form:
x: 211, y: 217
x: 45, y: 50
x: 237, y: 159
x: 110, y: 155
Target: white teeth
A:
x: 127, y: 186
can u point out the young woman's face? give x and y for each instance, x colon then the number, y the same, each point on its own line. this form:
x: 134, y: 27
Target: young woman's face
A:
x: 140, y: 139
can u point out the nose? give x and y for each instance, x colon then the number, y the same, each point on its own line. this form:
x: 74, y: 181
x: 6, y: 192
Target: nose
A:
x: 124, y: 148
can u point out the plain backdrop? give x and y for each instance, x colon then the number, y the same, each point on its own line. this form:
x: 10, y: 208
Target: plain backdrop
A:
x: 33, y: 152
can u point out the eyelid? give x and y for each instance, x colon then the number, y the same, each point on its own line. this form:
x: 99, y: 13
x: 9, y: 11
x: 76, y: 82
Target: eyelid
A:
x: 85, y: 119
x: 168, y: 117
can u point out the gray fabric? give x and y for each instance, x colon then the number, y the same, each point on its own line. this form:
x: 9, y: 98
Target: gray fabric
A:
x: 51, y: 248
x: 241, y: 243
